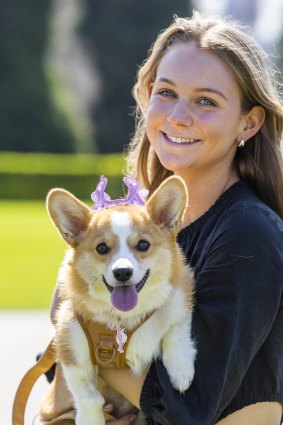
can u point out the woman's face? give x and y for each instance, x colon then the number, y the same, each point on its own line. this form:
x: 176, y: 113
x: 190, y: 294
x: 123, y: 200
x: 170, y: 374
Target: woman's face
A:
x: 194, y: 118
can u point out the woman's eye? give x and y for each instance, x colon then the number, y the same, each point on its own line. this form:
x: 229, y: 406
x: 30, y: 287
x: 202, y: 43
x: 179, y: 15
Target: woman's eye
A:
x: 207, y: 102
x: 166, y: 93
x: 102, y: 249
x: 142, y: 246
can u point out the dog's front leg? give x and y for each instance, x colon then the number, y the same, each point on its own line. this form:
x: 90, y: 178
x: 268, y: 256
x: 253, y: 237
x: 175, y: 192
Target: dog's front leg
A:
x: 81, y: 379
x: 178, y: 354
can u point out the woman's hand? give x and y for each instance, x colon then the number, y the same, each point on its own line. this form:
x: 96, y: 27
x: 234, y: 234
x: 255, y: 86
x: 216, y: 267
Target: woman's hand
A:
x: 124, y: 420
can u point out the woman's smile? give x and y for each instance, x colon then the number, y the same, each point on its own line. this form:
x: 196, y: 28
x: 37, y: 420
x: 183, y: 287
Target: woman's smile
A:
x: 179, y: 140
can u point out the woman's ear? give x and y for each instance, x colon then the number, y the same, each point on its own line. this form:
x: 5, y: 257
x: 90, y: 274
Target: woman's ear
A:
x: 254, y: 119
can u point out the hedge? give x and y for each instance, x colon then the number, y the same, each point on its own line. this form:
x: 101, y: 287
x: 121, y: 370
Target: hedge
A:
x: 31, y: 176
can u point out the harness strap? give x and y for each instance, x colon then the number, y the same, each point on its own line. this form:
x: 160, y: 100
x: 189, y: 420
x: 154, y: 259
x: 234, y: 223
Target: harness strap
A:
x: 103, y: 346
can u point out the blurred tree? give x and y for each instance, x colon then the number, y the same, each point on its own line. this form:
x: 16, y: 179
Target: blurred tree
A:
x: 29, y: 121
x: 118, y: 35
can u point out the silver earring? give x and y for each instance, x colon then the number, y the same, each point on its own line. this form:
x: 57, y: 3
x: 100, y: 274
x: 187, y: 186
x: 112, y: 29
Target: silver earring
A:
x: 242, y: 143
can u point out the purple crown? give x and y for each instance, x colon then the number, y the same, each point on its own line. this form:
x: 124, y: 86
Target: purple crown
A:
x: 136, y: 195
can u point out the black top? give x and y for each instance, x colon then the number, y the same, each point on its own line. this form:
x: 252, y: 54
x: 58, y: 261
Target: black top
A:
x: 236, y: 251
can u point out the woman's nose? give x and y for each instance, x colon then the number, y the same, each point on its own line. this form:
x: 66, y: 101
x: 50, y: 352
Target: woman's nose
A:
x: 181, y: 114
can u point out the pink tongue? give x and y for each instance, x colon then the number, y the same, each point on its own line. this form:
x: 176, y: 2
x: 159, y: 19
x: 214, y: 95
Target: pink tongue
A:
x: 124, y: 297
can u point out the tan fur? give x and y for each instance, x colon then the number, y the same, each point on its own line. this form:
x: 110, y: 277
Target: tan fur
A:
x: 82, y: 289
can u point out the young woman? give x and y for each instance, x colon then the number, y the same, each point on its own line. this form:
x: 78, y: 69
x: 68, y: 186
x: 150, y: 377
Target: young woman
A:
x: 209, y: 111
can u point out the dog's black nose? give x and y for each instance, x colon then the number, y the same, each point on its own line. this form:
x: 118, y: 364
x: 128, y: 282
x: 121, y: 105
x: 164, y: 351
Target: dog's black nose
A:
x: 123, y: 273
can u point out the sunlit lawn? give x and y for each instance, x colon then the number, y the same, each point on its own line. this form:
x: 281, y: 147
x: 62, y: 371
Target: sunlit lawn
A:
x: 31, y: 251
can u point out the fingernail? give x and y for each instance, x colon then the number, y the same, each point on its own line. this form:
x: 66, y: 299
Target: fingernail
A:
x: 107, y: 408
x: 133, y: 418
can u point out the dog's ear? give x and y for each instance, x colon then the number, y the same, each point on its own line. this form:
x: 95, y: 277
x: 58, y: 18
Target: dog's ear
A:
x: 69, y: 215
x: 168, y: 203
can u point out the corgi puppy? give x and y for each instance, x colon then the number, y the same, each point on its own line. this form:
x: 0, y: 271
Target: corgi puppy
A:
x: 123, y: 263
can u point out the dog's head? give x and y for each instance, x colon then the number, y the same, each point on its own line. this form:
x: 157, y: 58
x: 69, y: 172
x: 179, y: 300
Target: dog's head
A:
x: 126, y: 255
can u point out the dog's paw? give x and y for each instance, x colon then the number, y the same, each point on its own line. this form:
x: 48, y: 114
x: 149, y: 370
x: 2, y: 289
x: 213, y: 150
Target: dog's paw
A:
x: 180, y: 369
x: 180, y: 377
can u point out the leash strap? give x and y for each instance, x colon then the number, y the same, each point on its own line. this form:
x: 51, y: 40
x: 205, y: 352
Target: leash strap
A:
x: 43, y: 365
x: 27, y: 383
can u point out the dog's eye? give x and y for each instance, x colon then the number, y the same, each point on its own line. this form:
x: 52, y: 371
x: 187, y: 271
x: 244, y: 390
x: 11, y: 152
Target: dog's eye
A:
x: 142, y: 246
x: 102, y: 249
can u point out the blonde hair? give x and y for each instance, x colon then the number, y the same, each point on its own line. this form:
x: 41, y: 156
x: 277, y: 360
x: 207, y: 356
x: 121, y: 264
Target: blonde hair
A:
x: 260, y: 161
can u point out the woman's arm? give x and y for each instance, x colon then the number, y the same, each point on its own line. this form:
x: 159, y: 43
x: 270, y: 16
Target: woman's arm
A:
x: 268, y: 413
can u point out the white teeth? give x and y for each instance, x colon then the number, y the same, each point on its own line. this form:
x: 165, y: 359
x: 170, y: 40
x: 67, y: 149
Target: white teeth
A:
x: 179, y: 139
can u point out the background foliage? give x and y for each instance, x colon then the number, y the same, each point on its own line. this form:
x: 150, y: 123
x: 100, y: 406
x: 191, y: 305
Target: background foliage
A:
x: 29, y: 121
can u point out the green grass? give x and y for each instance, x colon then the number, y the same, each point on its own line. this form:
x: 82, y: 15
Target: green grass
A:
x: 31, y: 252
